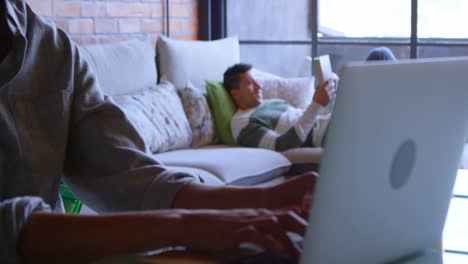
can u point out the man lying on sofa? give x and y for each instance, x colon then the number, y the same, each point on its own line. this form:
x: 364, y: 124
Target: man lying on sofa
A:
x: 55, y: 122
x: 274, y: 124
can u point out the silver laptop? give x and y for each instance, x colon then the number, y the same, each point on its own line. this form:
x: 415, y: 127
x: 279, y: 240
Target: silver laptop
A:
x: 391, y: 156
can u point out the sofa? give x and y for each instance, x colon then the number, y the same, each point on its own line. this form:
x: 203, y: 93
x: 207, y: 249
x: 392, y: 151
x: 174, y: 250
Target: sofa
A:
x: 163, y: 92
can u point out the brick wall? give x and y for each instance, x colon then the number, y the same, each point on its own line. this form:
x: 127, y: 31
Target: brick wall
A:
x: 102, y: 21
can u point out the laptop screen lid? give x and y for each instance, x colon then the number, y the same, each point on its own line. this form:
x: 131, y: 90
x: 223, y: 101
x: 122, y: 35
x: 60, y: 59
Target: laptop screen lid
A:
x: 391, y: 155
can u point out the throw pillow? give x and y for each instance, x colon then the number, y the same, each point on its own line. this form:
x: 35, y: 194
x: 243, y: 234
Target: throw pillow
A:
x: 298, y: 92
x: 123, y: 67
x: 223, y: 109
x: 196, y: 61
x: 199, y: 116
x: 158, y: 115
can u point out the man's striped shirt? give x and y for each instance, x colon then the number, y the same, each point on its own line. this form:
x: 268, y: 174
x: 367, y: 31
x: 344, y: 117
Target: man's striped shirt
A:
x: 275, y: 124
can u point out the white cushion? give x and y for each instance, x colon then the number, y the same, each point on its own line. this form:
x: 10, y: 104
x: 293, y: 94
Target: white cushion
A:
x: 158, y: 116
x: 123, y: 67
x: 233, y: 165
x: 181, y: 61
x: 298, y: 92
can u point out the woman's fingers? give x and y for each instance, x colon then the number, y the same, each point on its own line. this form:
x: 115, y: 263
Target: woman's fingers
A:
x: 251, y: 234
x: 227, y: 230
x: 292, y: 222
x: 274, y: 227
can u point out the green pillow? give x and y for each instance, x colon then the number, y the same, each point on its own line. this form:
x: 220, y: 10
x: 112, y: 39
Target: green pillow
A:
x: 222, y: 108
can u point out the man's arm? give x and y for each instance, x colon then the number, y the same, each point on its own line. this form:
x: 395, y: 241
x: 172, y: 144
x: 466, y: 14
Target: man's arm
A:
x: 257, y: 134
x: 294, y: 193
x: 50, y: 234
x: 83, y: 238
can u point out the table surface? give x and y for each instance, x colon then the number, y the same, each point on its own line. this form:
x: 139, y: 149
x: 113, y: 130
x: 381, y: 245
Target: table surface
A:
x: 429, y: 256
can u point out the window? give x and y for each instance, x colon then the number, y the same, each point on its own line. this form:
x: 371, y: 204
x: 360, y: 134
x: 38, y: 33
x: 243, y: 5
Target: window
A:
x: 265, y: 27
x: 443, y: 19
x: 267, y: 20
x: 345, y: 29
x: 456, y: 230
x: 365, y: 18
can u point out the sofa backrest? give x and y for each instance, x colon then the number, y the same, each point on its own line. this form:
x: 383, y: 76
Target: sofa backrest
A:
x: 123, y: 67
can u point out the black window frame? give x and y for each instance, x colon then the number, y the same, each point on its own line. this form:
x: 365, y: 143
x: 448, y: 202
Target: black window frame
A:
x: 213, y: 25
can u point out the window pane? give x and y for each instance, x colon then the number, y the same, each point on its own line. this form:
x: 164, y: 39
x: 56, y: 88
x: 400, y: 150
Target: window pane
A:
x: 461, y: 185
x: 456, y: 229
x: 450, y: 258
x: 365, y: 18
x: 282, y: 60
x: 269, y: 20
x: 442, y: 19
x: 341, y: 54
x: 441, y: 51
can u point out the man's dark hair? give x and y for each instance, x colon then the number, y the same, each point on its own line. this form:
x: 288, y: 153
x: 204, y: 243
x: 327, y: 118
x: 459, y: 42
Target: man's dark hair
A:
x: 232, y: 75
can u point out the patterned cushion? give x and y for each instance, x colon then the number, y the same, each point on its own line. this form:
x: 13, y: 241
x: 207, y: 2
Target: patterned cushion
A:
x: 158, y: 115
x: 199, y: 116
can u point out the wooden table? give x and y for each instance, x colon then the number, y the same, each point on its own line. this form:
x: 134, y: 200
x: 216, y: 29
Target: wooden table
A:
x: 430, y: 256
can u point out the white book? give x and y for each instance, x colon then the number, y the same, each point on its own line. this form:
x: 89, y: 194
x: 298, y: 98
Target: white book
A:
x: 323, y: 69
